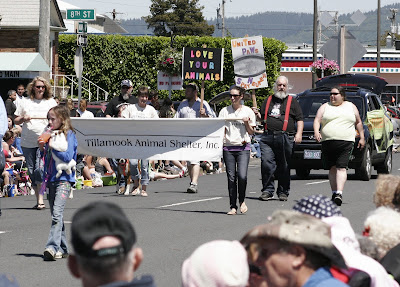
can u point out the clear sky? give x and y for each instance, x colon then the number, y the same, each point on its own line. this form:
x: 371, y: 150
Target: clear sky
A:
x: 233, y: 8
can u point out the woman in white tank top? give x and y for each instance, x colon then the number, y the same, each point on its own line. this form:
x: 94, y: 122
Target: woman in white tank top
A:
x: 338, y: 120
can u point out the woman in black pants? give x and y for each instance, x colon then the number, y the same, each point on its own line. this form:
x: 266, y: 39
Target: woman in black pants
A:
x: 237, y: 148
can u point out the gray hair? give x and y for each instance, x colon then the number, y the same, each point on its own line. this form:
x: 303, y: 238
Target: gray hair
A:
x: 10, y: 92
x: 275, y: 87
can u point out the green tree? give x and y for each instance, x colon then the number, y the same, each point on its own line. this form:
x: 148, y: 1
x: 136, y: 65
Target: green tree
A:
x: 181, y: 17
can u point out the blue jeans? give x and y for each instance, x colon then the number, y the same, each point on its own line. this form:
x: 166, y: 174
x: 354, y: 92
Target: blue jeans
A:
x: 57, y: 196
x: 237, y: 163
x: 276, y: 152
x: 144, y: 167
x: 34, y: 164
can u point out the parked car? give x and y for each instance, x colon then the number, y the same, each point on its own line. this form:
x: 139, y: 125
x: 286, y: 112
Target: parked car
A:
x: 363, y: 91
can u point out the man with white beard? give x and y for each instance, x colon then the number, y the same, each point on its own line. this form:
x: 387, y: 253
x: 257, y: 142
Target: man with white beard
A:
x: 279, y: 114
x: 114, y: 106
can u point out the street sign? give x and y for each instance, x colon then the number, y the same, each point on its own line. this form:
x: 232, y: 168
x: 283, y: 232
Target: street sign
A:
x: 81, y: 14
x: 81, y: 40
x: 82, y: 28
x: 347, y: 53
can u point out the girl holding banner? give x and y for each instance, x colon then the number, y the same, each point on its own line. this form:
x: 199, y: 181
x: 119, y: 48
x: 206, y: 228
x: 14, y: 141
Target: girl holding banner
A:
x: 236, y: 151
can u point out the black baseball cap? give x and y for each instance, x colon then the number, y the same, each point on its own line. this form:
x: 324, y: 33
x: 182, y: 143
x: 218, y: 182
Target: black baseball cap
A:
x: 99, y: 219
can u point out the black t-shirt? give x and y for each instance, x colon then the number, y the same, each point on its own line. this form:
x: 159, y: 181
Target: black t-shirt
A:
x: 276, y: 114
x: 113, y: 106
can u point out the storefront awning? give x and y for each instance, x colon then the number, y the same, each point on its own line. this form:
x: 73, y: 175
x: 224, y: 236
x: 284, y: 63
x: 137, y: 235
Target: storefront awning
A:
x: 23, y: 62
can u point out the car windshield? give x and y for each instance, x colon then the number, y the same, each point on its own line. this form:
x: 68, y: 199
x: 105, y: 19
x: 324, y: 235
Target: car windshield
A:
x: 310, y: 104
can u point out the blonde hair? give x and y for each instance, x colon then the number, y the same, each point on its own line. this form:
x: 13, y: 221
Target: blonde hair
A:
x: 386, y: 187
x: 62, y: 112
x: 48, y: 93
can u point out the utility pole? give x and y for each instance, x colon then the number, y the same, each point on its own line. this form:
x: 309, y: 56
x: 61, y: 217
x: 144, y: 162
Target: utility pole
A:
x: 44, y: 34
x: 378, y: 39
x: 223, y: 18
x: 315, y: 40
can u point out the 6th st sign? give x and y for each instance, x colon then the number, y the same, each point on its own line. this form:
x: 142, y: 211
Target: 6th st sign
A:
x: 81, y: 14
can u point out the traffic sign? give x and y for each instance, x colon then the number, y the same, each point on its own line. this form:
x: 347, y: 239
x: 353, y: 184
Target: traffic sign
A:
x: 82, y: 28
x: 81, y: 14
x: 81, y: 41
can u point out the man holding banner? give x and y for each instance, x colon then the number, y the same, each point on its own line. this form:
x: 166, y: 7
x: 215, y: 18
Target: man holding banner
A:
x: 190, y: 108
x: 279, y: 114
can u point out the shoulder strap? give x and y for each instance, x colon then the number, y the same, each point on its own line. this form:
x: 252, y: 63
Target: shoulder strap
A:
x: 286, y: 121
x: 266, y: 112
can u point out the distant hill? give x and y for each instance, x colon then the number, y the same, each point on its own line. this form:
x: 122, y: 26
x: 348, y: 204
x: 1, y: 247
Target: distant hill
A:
x: 287, y: 27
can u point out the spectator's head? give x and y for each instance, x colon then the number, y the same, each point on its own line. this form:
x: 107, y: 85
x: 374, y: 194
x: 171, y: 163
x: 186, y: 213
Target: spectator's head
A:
x: 39, y: 89
x: 70, y: 104
x: 317, y: 205
x: 167, y: 102
x: 21, y: 90
x: 387, y: 191
x: 281, y: 87
x: 103, y: 240
x: 153, y: 97
x: 10, y: 120
x: 126, y: 89
x: 291, y: 247
x: 82, y: 105
x: 9, y: 136
x: 382, y: 226
x: 218, y: 263
x: 12, y: 94
x: 143, y: 96
x: 191, y: 91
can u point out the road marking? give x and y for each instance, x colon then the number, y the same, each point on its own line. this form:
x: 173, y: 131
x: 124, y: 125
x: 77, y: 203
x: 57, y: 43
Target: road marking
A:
x: 4, y: 232
x: 188, y: 202
x: 317, y: 182
x: 253, y: 192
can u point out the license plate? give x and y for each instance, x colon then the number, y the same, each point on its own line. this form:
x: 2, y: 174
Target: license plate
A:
x: 312, y: 154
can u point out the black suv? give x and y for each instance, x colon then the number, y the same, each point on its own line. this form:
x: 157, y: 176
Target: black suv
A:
x: 363, y: 91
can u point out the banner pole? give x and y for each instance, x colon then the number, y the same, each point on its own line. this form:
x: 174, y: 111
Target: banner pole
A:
x: 253, y: 96
x: 202, y: 94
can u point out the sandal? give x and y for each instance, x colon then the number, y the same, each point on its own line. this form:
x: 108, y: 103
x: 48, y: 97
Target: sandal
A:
x: 40, y: 206
x: 243, y: 208
x: 144, y: 193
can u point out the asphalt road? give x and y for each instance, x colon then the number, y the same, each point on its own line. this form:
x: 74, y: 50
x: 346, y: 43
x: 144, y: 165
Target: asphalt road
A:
x: 170, y: 223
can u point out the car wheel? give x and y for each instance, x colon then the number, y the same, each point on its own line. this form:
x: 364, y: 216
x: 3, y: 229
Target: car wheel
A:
x: 303, y: 173
x: 386, y: 166
x: 365, y: 170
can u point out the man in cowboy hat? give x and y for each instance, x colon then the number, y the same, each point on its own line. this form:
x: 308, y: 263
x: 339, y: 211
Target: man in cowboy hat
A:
x: 294, y: 250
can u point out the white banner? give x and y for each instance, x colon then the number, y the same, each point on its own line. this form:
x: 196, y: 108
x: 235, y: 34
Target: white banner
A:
x: 163, y: 81
x: 167, y: 139
x: 249, y: 62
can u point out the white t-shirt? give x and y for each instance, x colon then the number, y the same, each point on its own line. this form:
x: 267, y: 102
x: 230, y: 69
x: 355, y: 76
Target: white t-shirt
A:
x: 86, y: 114
x: 33, y: 128
x: 235, y: 131
x: 136, y: 112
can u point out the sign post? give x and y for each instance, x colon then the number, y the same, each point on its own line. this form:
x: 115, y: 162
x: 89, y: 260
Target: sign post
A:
x: 78, y: 65
x: 81, y: 15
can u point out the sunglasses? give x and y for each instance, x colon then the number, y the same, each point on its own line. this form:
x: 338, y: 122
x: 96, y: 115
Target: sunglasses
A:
x: 234, y: 95
x: 334, y: 94
x: 40, y: 87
